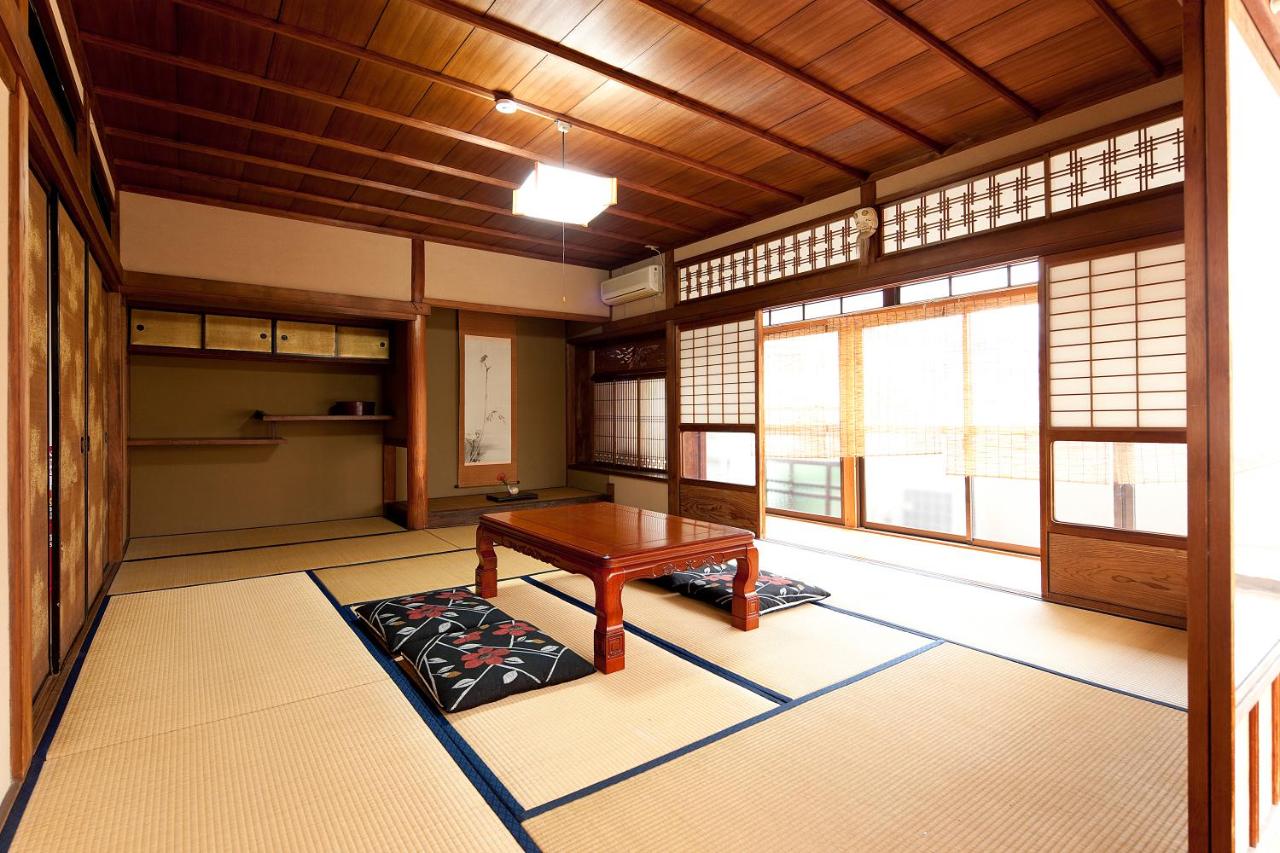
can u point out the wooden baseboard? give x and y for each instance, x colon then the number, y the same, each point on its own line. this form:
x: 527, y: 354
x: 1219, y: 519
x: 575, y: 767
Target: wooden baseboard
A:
x: 1115, y: 610
x: 10, y: 796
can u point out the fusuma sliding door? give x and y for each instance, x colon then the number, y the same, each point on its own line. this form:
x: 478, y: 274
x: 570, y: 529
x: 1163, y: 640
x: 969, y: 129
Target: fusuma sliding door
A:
x: 96, y: 461
x: 70, y: 393
x: 38, y: 441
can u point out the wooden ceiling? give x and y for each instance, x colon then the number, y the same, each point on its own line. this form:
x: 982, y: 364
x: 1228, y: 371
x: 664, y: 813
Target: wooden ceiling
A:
x: 379, y: 113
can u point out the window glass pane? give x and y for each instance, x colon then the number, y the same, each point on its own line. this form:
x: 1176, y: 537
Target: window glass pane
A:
x: 913, y: 399
x: 1126, y: 486
x: 810, y: 486
x: 802, y: 423
x: 1027, y: 272
x: 791, y: 314
x: 915, y: 492
x: 862, y: 302
x: 823, y: 308
x: 921, y: 291
x: 982, y: 280
x: 721, y: 457
x: 1006, y: 510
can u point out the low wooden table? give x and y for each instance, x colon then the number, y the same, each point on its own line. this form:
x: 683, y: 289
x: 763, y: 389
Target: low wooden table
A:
x: 613, y: 544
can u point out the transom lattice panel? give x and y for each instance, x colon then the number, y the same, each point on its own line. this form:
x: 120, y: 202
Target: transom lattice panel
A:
x: 813, y: 247
x: 1118, y: 341
x: 979, y: 204
x: 718, y: 374
x: 1120, y: 165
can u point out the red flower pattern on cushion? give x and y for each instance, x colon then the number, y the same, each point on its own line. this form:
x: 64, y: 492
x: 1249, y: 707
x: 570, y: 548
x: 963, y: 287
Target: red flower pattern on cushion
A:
x: 515, y: 629
x: 469, y: 637
x: 484, y: 656
x: 427, y: 611
x: 775, y: 579
x: 454, y: 595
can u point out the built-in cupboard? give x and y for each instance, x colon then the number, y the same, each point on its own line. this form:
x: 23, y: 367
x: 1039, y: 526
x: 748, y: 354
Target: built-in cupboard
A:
x: 67, y: 444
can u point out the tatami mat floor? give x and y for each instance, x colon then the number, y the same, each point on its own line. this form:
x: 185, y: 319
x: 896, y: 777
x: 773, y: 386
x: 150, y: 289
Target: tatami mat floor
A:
x: 229, y: 703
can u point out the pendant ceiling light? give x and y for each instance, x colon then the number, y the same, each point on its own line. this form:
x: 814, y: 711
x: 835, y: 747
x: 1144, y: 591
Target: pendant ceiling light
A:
x: 561, y: 194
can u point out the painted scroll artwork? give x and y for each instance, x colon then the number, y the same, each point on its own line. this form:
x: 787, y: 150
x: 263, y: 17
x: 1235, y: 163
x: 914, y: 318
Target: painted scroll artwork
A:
x: 486, y: 389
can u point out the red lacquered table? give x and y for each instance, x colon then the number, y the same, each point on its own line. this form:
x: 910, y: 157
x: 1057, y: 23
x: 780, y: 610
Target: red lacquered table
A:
x: 613, y: 544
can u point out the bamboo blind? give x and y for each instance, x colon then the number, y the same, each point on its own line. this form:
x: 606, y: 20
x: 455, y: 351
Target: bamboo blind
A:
x: 947, y: 397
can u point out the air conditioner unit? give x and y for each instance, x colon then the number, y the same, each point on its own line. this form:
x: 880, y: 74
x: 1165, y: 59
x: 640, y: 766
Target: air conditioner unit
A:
x: 640, y: 284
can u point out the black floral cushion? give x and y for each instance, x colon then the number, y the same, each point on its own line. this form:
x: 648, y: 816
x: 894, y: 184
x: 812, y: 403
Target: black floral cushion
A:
x: 714, y: 584
x: 395, y: 621
x: 488, y: 663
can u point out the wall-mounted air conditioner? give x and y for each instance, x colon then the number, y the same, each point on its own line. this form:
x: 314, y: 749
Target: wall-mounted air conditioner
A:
x: 640, y: 284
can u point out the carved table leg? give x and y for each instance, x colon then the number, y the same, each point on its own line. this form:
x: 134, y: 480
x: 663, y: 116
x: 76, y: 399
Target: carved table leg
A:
x: 487, y: 568
x: 610, y: 641
x: 746, y: 605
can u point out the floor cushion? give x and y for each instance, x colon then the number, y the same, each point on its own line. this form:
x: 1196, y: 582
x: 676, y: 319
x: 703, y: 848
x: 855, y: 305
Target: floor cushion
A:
x: 488, y: 663
x: 714, y: 584
x: 394, y: 621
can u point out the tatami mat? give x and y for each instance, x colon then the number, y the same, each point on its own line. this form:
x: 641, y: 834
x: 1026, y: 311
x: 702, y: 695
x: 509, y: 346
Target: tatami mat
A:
x: 171, y: 572
x: 793, y: 652
x: 352, y: 584
x: 952, y: 750
x: 354, y: 770
x: 462, y: 536
x: 255, y: 537
x: 176, y: 658
x: 553, y: 741
x: 1137, y: 657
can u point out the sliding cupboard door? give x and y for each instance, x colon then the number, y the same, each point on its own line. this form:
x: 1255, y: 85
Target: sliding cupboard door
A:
x: 96, y: 458
x: 70, y: 431
x: 38, y: 439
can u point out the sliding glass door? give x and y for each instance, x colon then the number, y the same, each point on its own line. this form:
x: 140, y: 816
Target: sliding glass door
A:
x: 917, y: 418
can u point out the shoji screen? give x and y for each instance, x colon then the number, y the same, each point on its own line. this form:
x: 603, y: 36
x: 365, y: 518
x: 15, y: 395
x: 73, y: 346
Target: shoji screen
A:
x: 1114, y: 392
x: 717, y: 456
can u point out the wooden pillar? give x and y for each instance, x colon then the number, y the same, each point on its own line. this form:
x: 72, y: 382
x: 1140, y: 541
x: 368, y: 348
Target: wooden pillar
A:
x: 416, y: 400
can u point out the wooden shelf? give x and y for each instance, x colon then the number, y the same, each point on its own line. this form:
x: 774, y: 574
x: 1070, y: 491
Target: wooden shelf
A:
x: 263, y: 416
x: 203, y: 442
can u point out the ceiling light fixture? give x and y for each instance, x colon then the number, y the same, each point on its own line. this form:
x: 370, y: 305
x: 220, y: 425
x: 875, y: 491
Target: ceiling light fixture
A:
x: 561, y: 194
x: 506, y: 106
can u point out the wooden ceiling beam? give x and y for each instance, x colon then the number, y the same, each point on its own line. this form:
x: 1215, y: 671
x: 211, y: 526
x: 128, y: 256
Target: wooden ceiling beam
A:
x: 633, y: 81
x: 409, y: 216
x: 375, y: 112
x: 270, y: 25
x: 953, y: 56
x: 309, y: 171
x: 697, y: 24
x: 268, y: 210
x: 1109, y: 14
x: 353, y: 148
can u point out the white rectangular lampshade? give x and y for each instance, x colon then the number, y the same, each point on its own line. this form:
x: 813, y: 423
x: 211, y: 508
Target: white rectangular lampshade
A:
x: 563, y: 195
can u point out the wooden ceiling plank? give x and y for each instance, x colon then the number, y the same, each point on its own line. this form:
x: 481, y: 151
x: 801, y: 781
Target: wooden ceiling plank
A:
x: 270, y: 210
x: 695, y: 23
x: 173, y: 108
x: 517, y: 34
x: 953, y: 56
x: 384, y: 60
x: 397, y: 189
x: 185, y: 174
x: 378, y: 113
x: 1112, y: 17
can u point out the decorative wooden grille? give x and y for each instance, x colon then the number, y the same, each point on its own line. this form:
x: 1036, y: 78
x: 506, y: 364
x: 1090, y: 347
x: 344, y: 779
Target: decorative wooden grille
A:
x: 1118, y: 341
x: 630, y: 423
x: 718, y: 374
x: 814, y: 247
x: 1120, y: 165
x: 994, y: 200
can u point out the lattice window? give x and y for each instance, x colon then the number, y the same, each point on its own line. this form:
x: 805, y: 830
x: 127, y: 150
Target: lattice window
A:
x: 1120, y: 165
x: 994, y: 200
x: 1118, y: 341
x: 814, y: 247
x: 718, y: 374
x: 630, y: 423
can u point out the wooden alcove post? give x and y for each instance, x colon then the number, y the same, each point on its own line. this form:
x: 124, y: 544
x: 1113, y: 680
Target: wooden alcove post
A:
x: 416, y: 395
